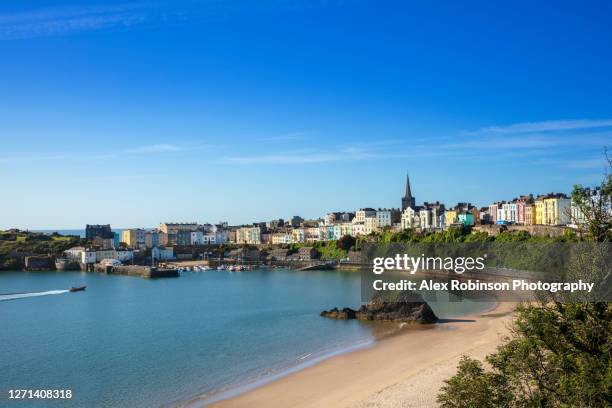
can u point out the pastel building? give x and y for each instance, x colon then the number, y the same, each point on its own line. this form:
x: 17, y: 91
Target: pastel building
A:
x: 450, y: 216
x: 466, y: 218
x: 557, y: 209
x: 530, y: 214
x: 154, y: 238
x: 370, y: 225
x: 507, y: 213
x: 162, y: 253
x: 363, y: 213
x: 281, y: 238
x: 410, y: 218
x: 209, y: 238
x: 197, y: 238
x: 383, y: 218
x: 248, y: 235
x: 493, y: 212
x: 539, y: 210
x: 134, y: 238
x: 431, y: 215
x: 178, y: 233
x: 521, y: 209
x: 313, y: 234
x: 298, y: 235
x: 359, y: 229
x: 462, y: 213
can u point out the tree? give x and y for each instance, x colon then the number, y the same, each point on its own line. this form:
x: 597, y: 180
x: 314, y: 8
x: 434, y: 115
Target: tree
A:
x: 595, y: 206
x: 559, y: 352
x: 346, y: 242
x: 557, y: 356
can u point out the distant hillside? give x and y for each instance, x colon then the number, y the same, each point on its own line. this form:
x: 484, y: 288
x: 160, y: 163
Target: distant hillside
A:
x: 15, y: 245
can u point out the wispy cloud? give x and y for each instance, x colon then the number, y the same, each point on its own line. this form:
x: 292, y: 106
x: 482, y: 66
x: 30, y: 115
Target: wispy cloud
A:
x: 64, y: 20
x: 155, y: 148
x: 529, y: 141
x: 345, y: 154
x: 544, y: 126
x: 521, y: 141
x: 535, y: 137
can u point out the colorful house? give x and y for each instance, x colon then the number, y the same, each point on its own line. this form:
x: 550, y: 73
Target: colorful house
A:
x: 450, y: 216
x: 539, y: 210
x: 556, y: 209
x: 466, y: 218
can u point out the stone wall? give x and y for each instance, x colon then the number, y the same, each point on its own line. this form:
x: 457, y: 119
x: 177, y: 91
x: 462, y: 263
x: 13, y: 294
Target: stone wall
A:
x: 137, y: 270
x: 38, y: 263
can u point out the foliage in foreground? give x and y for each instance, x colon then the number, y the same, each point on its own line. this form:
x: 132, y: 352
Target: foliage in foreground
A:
x: 558, y: 355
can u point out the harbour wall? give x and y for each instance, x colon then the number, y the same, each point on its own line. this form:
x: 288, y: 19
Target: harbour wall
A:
x: 137, y: 270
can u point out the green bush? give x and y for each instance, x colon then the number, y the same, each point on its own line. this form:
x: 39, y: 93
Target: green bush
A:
x: 557, y: 356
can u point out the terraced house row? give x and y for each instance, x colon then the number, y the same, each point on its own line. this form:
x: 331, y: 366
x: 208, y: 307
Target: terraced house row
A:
x: 552, y: 209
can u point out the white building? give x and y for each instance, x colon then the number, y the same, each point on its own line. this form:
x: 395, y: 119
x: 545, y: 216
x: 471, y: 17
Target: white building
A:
x: 383, y: 218
x: 313, y: 234
x: 425, y: 219
x: 209, y: 238
x: 281, y: 238
x: 298, y: 235
x: 363, y: 213
x: 248, y: 235
x: 359, y: 229
x: 370, y: 224
x: 410, y: 219
x: 197, y: 238
x: 83, y: 255
x: 124, y: 255
x: 507, y: 213
x: 162, y: 253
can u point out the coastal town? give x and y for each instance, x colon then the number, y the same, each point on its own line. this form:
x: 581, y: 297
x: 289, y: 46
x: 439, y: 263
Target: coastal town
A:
x: 546, y: 215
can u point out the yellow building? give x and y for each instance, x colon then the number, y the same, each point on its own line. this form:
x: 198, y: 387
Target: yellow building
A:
x: 552, y: 209
x: 450, y: 217
x: 539, y: 211
x: 556, y: 210
x: 134, y: 238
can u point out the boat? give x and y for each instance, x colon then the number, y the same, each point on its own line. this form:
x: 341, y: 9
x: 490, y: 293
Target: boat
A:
x: 77, y: 289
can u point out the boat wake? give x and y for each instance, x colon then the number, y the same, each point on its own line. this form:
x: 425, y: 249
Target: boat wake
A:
x: 14, y: 296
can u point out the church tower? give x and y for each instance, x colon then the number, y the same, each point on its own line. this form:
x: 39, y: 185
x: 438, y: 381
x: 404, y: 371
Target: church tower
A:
x: 408, y: 200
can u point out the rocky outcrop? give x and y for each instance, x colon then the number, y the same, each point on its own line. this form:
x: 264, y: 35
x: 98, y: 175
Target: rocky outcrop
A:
x: 408, y: 307
x: 335, y: 313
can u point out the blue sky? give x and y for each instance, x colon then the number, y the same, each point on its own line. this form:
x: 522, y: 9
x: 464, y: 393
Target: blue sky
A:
x: 132, y: 113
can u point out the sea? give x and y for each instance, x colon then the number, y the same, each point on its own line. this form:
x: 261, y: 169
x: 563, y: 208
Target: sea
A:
x: 133, y: 342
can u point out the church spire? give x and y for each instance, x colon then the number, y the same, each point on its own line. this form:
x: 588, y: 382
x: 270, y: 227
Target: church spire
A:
x: 408, y: 192
x: 408, y: 200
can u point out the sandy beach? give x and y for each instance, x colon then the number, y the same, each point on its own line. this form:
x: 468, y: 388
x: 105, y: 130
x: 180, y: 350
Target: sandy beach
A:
x: 404, y: 370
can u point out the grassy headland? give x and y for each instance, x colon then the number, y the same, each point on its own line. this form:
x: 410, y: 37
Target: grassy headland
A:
x: 15, y: 245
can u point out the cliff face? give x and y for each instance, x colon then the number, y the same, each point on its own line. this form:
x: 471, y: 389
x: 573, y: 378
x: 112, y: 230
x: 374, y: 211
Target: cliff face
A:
x: 408, y: 307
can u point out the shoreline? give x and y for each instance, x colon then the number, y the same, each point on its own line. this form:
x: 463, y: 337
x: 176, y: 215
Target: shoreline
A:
x: 368, y: 375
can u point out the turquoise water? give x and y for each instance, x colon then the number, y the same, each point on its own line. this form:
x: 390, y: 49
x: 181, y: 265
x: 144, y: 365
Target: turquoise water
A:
x: 139, y: 342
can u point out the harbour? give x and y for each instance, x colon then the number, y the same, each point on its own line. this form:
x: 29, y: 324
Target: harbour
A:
x: 161, y: 342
